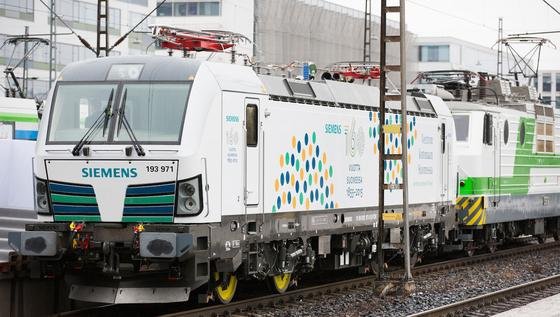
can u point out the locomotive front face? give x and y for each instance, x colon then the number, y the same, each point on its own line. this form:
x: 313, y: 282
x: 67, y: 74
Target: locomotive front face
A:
x: 114, y: 171
x: 126, y: 184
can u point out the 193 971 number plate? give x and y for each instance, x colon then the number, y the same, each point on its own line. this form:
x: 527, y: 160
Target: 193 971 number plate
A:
x: 160, y: 168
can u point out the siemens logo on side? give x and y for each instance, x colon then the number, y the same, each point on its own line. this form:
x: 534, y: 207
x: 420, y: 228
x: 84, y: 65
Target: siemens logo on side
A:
x: 100, y: 172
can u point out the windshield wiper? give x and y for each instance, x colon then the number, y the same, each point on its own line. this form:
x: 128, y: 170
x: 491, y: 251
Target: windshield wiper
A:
x: 103, y: 119
x: 123, y: 121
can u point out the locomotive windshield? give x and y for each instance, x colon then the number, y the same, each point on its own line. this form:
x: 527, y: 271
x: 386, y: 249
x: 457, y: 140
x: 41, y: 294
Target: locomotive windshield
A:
x: 154, y: 111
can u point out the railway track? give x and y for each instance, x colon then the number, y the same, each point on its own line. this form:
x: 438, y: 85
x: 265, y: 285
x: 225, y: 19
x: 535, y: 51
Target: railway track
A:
x: 252, y: 306
x: 499, y: 301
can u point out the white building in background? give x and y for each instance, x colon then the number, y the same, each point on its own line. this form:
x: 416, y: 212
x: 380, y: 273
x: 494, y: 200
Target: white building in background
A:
x: 81, y: 15
x: 449, y: 53
x: 548, y: 86
x: 283, y: 31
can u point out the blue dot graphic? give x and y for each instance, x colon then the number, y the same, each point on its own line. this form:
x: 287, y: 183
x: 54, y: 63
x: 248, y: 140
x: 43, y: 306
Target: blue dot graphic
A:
x: 306, y: 139
x: 297, y: 186
x: 282, y: 179
x: 311, y: 196
x: 289, y: 197
x: 313, y: 163
x: 316, y: 194
x: 307, y: 166
x: 293, y: 160
x: 305, y: 186
x: 317, y: 151
x: 321, y: 182
x: 332, y: 204
x: 278, y: 202
x: 287, y: 177
x: 298, y: 146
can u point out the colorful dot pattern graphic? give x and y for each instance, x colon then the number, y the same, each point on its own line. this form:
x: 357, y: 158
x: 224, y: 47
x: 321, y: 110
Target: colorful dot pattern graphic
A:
x: 306, y: 177
x: 393, y: 169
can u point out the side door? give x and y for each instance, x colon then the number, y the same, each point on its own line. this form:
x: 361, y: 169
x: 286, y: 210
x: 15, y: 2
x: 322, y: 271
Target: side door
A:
x: 252, y: 149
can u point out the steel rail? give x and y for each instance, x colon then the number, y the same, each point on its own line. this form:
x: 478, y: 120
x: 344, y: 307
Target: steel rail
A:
x: 254, y: 304
x: 258, y: 303
x: 475, y: 303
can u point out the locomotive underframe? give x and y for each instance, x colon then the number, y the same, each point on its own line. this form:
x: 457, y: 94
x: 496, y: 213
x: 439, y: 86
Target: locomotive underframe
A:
x: 251, y: 245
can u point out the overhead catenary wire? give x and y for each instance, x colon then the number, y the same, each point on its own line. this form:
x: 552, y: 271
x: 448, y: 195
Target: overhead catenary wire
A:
x: 122, y: 38
x: 82, y: 40
x: 552, y: 7
x: 453, y: 15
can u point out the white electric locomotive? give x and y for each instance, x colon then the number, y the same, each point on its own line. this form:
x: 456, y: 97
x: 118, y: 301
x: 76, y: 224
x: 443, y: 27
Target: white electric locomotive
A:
x: 158, y: 176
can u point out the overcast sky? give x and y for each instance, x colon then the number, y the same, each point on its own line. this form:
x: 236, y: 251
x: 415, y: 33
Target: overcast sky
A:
x: 477, y: 20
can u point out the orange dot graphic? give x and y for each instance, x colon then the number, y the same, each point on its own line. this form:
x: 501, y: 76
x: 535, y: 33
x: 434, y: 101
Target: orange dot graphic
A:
x: 301, y: 174
x: 393, y: 174
x: 326, y: 174
x: 310, y: 149
x: 415, y: 134
x: 306, y: 203
x: 332, y: 188
x: 409, y: 158
x: 276, y: 185
x: 316, y: 178
x: 283, y: 197
x: 293, y: 180
x: 375, y: 150
x: 324, y: 158
x: 293, y: 142
x: 294, y: 202
x: 281, y: 160
x: 303, y: 155
x: 336, y: 205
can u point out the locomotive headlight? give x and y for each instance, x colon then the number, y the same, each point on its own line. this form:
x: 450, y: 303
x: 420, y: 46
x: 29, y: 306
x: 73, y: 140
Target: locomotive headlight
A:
x: 188, y: 189
x: 189, y: 200
x: 190, y: 204
x: 41, y: 197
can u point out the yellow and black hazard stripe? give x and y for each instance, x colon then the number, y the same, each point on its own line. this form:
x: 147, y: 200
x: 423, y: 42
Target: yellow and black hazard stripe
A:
x: 471, y: 210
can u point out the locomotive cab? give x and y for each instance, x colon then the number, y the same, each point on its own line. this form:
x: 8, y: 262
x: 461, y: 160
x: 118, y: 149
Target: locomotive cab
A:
x: 122, y: 179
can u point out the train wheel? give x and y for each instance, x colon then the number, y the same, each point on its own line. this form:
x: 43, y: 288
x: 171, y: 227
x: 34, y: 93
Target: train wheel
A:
x: 280, y: 283
x: 224, y: 291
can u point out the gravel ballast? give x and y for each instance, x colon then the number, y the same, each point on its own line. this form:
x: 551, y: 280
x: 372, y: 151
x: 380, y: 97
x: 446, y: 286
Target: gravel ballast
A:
x: 432, y: 290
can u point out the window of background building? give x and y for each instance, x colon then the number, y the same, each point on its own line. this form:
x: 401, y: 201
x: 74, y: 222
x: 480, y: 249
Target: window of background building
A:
x: 546, y: 100
x: 17, y: 9
x: 536, y: 82
x: 138, y: 43
x: 433, y: 53
x: 83, y: 15
x: 546, y: 82
x: 190, y: 8
x: 138, y: 2
x: 557, y: 82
